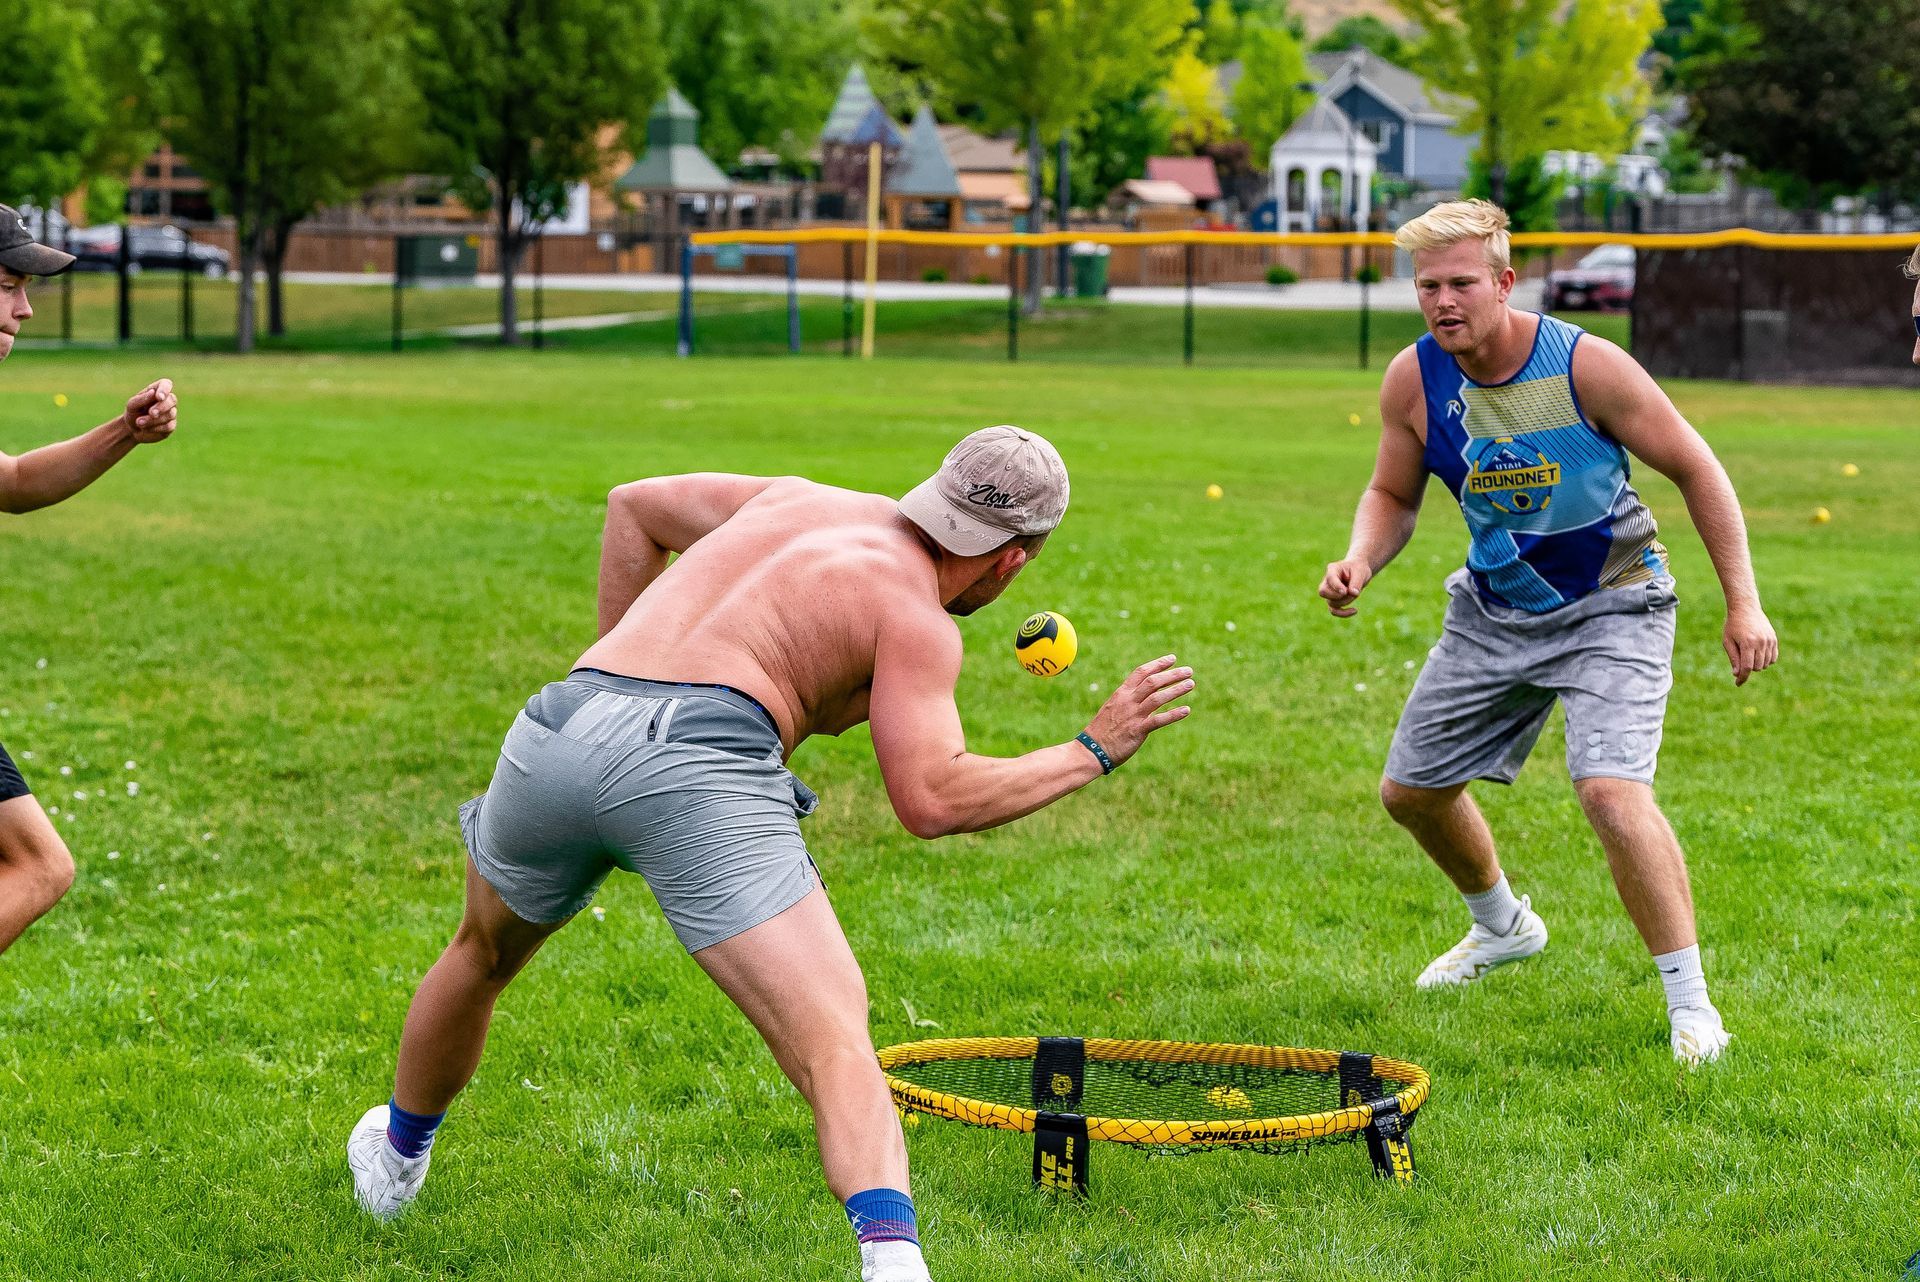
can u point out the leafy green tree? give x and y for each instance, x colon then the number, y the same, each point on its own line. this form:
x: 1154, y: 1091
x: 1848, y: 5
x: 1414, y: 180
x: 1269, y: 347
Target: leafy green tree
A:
x: 125, y: 53
x: 1038, y: 65
x: 762, y: 73
x: 1530, y: 195
x: 1364, y: 31
x: 517, y: 93
x: 283, y: 107
x: 1539, y: 74
x: 52, y: 107
x: 1113, y: 140
x: 1817, y: 99
x: 1267, y: 98
x: 1193, y: 96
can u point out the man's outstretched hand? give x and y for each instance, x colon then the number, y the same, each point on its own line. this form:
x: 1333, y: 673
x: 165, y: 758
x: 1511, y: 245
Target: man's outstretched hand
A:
x: 153, y: 412
x: 1139, y: 707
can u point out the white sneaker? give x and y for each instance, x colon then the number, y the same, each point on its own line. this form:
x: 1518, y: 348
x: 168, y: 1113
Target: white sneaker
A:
x: 892, y: 1262
x: 1482, y: 950
x: 383, y: 1181
x: 1698, y: 1034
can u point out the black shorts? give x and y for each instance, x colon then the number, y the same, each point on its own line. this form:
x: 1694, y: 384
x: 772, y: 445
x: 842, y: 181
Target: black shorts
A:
x: 11, y: 784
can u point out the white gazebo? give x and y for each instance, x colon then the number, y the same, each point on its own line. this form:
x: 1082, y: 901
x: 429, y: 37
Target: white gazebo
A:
x: 1322, y: 168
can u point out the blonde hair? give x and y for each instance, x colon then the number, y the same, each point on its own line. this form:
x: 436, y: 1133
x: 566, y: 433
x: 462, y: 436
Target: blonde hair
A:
x: 1453, y: 221
x: 1913, y: 265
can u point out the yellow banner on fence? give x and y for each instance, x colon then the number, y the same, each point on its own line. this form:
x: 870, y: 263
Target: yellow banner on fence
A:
x: 1731, y: 238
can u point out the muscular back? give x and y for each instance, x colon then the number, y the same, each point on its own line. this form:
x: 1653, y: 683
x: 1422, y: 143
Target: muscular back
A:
x: 781, y: 600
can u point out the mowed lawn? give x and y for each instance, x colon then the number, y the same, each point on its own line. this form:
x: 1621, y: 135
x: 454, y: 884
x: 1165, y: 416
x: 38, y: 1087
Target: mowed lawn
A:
x: 302, y: 627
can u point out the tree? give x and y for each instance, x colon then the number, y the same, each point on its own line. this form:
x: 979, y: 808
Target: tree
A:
x: 762, y: 73
x: 1113, y: 140
x: 1267, y: 98
x: 1817, y: 99
x: 125, y: 53
x: 1039, y: 65
x: 283, y: 107
x: 1364, y: 31
x: 51, y: 114
x: 1539, y: 74
x: 1193, y: 97
x: 517, y: 93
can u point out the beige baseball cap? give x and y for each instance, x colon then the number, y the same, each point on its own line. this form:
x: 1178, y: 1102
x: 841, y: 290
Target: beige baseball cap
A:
x: 996, y: 484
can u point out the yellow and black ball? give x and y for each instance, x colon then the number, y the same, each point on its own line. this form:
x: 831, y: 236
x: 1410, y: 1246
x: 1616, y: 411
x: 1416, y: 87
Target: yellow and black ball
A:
x: 1046, y: 644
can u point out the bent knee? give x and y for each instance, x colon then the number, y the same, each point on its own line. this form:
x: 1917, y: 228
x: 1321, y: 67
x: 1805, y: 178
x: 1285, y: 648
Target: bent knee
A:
x: 1614, y: 802
x: 45, y: 863
x: 1406, y: 803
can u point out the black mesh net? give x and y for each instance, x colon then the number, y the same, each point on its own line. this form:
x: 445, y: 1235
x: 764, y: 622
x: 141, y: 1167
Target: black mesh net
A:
x: 1171, y: 1096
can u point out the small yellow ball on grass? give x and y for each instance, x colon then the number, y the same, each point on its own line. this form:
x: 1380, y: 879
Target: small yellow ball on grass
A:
x: 1821, y: 516
x: 1850, y: 469
x: 1353, y: 420
x: 1046, y: 644
x: 60, y: 400
x: 1214, y: 492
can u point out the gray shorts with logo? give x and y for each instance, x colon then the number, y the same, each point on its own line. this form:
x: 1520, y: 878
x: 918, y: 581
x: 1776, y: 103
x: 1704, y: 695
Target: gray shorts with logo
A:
x: 682, y: 784
x: 1489, y: 685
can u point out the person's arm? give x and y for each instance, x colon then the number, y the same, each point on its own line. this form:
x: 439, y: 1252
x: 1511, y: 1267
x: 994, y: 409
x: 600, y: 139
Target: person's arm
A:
x: 43, y: 477
x: 652, y: 519
x: 937, y: 787
x: 1622, y: 399
x: 1388, y: 509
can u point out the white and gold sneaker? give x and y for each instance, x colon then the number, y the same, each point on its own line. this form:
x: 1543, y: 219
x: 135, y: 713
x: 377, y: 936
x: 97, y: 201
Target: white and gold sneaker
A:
x: 1482, y: 950
x: 1698, y: 1034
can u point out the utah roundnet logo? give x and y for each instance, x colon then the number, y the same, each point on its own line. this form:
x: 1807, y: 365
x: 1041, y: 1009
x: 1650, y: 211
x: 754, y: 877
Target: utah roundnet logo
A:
x: 1514, y: 478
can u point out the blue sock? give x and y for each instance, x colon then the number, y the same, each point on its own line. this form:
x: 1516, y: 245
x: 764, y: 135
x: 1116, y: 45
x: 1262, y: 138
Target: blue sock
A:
x: 883, y: 1215
x: 412, y: 1133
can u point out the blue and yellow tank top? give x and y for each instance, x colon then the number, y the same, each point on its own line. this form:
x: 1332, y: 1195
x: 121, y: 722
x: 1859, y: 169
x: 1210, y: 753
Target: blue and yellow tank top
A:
x: 1545, y: 493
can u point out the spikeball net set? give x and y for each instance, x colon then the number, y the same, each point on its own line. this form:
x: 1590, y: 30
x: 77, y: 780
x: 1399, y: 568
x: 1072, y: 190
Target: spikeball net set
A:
x: 1167, y: 1097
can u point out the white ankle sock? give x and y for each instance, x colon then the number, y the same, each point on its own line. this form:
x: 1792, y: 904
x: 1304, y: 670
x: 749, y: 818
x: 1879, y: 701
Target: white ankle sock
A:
x: 892, y: 1262
x: 1685, y: 982
x: 1496, y: 909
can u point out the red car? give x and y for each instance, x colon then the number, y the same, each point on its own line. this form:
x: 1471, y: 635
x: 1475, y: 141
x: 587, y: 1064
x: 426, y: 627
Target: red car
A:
x: 1602, y: 281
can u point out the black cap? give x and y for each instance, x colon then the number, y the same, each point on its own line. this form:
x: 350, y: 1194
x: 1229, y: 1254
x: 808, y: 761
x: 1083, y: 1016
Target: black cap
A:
x: 21, y: 254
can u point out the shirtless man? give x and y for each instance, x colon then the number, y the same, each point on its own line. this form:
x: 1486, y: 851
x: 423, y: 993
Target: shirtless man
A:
x: 794, y: 609
x: 35, y: 866
x: 1566, y: 596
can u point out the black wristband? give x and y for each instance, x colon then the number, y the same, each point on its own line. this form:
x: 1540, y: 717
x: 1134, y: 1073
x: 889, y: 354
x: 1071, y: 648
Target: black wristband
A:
x: 1100, y: 754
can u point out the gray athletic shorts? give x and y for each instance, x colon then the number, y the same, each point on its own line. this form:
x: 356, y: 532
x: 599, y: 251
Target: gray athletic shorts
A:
x: 682, y: 784
x: 1489, y: 685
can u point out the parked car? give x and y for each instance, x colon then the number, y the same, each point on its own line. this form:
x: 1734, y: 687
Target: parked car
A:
x: 1603, y: 281
x: 97, y: 249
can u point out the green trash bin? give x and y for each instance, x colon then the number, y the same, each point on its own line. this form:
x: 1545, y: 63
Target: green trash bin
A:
x: 452, y: 259
x: 1090, y: 269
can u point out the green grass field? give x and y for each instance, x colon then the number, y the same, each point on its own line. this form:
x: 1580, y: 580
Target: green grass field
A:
x: 303, y: 626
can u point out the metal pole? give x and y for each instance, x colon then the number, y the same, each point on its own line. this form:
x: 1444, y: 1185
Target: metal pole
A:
x: 1062, y: 185
x: 846, y: 298
x: 686, y: 296
x: 1366, y: 314
x: 793, y: 298
x: 399, y: 283
x: 1189, y: 309
x: 126, y: 284
x: 1739, y: 312
x: 66, y: 290
x: 1013, y: 302
x: 540, y: 290
x: 186, y: 289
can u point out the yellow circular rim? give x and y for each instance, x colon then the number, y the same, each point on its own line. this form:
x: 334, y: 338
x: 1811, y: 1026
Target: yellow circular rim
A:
x: 1411, y: 1078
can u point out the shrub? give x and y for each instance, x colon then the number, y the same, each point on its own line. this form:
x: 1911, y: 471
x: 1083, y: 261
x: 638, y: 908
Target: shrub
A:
x: 981, y: 278
x: 933, y: 275
x: 1280, y: 274
x: 1368, y: 275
